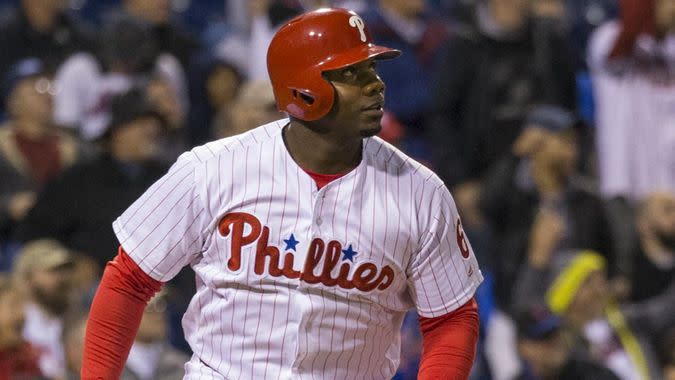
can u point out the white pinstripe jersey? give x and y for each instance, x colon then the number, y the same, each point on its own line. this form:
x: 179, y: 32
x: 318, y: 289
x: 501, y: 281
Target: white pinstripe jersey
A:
x: 295, y: 282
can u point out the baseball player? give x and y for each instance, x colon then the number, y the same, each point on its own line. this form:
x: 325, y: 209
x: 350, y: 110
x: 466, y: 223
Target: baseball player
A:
x: 310, y: 238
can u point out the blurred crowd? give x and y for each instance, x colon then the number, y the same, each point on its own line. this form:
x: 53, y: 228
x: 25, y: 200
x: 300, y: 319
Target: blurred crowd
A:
x: 551, y: 121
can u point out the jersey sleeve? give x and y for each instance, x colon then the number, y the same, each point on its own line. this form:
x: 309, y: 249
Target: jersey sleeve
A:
x: 164, y: 229
x: 443, y: 274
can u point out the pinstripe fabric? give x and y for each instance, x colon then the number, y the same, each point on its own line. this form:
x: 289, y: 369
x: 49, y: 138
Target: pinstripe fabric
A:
x: 364, y: 249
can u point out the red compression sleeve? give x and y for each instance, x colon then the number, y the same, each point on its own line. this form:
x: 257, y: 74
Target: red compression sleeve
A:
x: 449, y: 344
x: 114, y: 318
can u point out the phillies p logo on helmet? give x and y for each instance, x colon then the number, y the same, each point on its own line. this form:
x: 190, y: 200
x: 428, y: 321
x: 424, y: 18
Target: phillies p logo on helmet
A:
x: 357, y: 22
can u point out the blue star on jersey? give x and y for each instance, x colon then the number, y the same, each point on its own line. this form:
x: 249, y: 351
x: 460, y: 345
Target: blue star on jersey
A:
x: 291, y: 243
x: 349, y: 254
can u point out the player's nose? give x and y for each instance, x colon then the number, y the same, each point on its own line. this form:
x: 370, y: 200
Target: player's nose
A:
x: 374, y: 86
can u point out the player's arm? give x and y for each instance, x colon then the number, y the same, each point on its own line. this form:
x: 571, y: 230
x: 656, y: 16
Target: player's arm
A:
x: 114, y: 318
x: 442, y: 278
x: 162, y: 231
x: 449, y: 343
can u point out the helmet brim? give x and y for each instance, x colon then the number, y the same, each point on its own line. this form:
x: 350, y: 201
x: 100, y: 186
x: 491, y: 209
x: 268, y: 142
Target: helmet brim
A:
x: 357, y: 55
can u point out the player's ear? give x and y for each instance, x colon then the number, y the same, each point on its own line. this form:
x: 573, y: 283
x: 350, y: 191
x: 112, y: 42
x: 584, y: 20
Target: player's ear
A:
x: 304, y: 96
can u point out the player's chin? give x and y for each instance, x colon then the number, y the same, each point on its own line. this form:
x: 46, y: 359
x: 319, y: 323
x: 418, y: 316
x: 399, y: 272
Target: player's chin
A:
x: 370, y: 126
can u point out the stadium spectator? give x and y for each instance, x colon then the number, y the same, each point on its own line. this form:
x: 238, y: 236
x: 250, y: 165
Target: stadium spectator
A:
x: 493, y: 72
x: 254, y: 106
x: 247, y: 45
x: 214, y: 85
x: 584, y: 16
x: 667, y: 353
x: 79, y: 207
x: 170, y: 36
x: 18, y: 358
x: 653, y: 268
x: 73, y: 344
x: 166, y: 100
x: 535, y: 200
x: 42, y: 272
x: 32, y: 150
x: 412, y: 27
x: 151, y: 357
x: 632, y: 63
x: 266, y: 17
x: 129, y: 56
x: 545, y: 352
x: 576, y: 288
x: 42, y: 29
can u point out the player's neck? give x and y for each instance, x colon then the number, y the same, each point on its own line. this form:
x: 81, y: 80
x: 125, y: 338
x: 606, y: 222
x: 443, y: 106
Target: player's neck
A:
x: 321, y: 152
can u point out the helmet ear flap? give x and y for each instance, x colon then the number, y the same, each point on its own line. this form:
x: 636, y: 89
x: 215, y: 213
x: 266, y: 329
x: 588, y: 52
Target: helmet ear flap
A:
x: 313, y: 104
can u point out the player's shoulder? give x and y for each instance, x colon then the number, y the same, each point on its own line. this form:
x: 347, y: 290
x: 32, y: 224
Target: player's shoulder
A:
x: 385, y: 157
x: 231, y: 145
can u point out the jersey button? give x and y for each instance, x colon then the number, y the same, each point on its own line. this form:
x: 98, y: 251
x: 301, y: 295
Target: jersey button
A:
x: 319, y: 221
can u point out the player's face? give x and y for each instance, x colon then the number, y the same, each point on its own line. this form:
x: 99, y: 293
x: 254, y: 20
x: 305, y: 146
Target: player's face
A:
x: 359, y: 99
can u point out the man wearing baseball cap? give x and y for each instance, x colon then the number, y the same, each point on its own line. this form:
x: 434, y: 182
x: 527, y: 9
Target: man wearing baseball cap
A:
x: 43, y: 271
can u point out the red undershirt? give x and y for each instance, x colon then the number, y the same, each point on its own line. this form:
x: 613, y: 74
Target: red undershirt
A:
x: 323, y: 179
x: 449, y: 341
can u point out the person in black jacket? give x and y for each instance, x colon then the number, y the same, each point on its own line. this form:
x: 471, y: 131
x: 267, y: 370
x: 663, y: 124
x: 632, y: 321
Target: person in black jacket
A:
x: 545, y: 353
x: 79, y: 207
x: 170, y: 36
x: 534, y: 199
x: 496, y: 68
x: 41, y: 29
x: 653, y: 259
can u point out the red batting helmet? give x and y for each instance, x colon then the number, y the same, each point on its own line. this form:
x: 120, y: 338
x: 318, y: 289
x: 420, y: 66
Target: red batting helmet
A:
x: 308, y: 45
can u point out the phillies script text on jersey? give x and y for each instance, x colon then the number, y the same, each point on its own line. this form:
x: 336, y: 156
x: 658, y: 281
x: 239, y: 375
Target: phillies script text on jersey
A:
x: 366, y: 277
x: 293, y: 281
